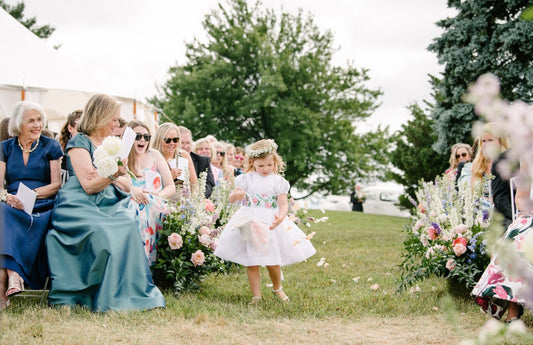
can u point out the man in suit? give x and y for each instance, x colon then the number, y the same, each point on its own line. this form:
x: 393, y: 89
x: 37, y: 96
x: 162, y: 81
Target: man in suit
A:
x: 201, y: 163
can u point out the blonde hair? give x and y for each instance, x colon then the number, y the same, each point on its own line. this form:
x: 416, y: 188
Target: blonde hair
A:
x: 202, y: 141
x: 265, y: 145
x: 161, y: 133
x: 132, y: 157
x: 481, y: 163
x: 453, y: 159
x: 98, y: 112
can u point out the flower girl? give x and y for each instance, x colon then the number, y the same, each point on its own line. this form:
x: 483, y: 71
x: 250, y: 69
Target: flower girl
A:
x: 259, y: 233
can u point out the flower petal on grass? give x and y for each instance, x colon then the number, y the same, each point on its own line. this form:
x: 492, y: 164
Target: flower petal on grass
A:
x: 374, y: 287
x: 356, y: 279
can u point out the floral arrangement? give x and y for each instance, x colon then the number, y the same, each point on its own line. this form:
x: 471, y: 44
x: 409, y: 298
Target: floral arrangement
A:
x: 267, y: 149
x: 106, y: 156
x: 444, y: 238
x: 189, y: 237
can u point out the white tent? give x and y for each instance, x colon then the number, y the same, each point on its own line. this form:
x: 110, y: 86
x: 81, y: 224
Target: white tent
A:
x: 31, y: 70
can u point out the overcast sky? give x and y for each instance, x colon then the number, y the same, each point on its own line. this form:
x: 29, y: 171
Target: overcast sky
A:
x: 132, y: 43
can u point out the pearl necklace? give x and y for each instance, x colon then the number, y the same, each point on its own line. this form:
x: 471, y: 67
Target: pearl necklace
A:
x: 30, y: 150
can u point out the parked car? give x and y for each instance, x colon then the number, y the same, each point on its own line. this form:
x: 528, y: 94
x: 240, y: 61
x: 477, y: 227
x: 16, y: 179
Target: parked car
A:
x: 383, y: 199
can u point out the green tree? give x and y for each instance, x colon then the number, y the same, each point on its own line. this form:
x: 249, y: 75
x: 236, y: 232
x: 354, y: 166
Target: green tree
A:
x: 261, y: 74
x: 414, y: 156
x: 17, y: 12
x: 484, y: 36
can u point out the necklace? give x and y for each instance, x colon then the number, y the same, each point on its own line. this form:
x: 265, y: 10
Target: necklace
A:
x: 30, y: 150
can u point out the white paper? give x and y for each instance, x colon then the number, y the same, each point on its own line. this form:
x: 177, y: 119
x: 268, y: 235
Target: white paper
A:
x: 127, y: 142
x: 172, y: 164
x: 183, y: 164
x: 27, y: 197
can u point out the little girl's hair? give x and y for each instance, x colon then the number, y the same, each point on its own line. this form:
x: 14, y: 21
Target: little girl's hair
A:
x: 262, y: 149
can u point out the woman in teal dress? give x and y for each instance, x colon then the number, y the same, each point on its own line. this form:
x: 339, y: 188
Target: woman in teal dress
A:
x: 33, y: 160
x: 94, y: 248
x: 151, y: 188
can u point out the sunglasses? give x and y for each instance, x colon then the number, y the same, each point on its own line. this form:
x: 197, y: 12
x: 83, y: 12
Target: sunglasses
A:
x: 145, y: 136
x: 464, y: 154
x: 221, y: 153
x: 168, y: 140
x: 239, y: 157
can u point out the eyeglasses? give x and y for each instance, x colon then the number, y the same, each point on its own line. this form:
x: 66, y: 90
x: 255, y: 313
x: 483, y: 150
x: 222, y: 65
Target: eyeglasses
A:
x: 168, y: 140
x: 464, y: 154
x: 221, y: 153
x: 239, y: 157
x: 145, y: 136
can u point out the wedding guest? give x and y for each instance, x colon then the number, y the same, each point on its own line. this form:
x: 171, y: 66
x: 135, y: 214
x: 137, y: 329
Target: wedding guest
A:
x: 357, y: 198
x: 238, y: 161
x: 201, y: 164
x: 33, y: 160
x: 151, y: 188
x: 220, y: 161
x: 460, y: 153
x: 95, y: 252
x: 167, y: 142
x: 68, y: 131
x: 230, y: 156
x: 4, y: 133
x: 204, y: 147
x: 121, y: 128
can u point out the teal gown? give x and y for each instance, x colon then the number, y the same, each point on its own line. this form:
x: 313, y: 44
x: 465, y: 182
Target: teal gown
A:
x: 95, y: 252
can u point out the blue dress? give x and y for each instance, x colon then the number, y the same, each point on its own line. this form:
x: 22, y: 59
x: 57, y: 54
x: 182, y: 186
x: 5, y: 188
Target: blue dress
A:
x: 95, y: 251
x: 21, y: 235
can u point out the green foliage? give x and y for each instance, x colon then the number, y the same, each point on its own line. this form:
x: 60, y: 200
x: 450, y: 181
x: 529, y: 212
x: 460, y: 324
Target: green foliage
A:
x: 260, y: 75
x: 17, y: 12
x: 484, y: 36
x: 413, y: 155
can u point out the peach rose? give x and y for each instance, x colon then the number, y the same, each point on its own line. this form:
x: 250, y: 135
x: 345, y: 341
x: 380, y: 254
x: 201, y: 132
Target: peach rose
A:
x: 450, y: 264
x: 198, y: 258
x: 461, y: 240
x: 204, y: 230
x: 175, y: 241
x: 209, y: 206
x: 205, y: 240
x: 459, y: 249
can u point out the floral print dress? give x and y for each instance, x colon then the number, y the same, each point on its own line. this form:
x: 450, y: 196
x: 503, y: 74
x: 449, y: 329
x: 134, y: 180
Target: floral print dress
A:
x: 496, y: 288
x: 151, y: 215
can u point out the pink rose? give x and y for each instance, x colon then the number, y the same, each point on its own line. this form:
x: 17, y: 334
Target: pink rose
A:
x: 459, y: 249
x: 450, y: 264
x: 214, y: 244
x: 204, y: 230
x: 268, y: 205
x: 461, y: 240
x: 209, y: 206
x: 175, y: 241
x: 205, y: 240
x: 421, y: 208
x: 198, y: 258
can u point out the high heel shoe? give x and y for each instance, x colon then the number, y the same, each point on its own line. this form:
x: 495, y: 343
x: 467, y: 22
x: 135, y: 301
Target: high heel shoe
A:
x: 15, y: 285
x: 281, y: 295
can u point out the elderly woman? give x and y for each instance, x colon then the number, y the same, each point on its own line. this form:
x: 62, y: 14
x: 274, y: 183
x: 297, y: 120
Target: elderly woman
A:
x: 31, y: 159
x: 94, y: 248
x: 151, y: 187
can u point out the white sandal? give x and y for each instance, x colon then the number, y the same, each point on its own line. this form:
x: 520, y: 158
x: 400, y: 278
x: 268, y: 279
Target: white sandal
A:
x: 281, y: 295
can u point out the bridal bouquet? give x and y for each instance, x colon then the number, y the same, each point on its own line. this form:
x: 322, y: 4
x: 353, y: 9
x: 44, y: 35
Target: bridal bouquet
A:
x: 106, y: 156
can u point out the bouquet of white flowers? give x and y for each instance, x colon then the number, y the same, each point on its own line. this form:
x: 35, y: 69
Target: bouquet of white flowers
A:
x: 106, y: 156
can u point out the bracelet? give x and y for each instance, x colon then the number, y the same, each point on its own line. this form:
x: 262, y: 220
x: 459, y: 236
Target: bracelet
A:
x: 112, y: 178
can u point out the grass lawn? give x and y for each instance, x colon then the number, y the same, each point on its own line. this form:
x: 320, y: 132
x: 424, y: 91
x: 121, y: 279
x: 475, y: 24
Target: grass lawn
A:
x: 330, y: 304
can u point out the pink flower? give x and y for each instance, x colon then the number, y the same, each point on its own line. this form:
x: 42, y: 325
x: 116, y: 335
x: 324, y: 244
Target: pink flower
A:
x: 268, y: 205
x: 500, y: 292
x: 214, y: 244
x: 460, y: 229
x: 209, y: 206
x: 421, y: 208
x: 204, y: 230
x: 198, y: 258
x: 175, y: 241
x: 461, y: 240
x: 205, y: 240
x: 432, y: 233
x: 459, y: 249
x: 450, y: 264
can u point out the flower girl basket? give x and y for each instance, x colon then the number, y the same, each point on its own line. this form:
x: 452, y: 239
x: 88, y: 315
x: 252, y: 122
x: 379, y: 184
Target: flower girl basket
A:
x: 253, y: 230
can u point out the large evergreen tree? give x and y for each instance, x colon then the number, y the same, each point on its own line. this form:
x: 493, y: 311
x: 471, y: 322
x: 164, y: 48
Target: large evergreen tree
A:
x: 17, y: 12
x: 414, y: 156
x: 261, y: 74
x: 484, y: 36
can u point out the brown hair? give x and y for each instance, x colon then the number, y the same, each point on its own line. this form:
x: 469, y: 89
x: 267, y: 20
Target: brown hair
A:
x: 64, y: 134
x: 133, y: 154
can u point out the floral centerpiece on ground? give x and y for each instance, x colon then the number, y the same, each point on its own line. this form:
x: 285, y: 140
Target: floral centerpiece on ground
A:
x: 444, y: 238
x: 189, y: 237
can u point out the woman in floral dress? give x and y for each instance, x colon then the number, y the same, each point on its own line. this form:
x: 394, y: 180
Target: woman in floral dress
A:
x: 151, y: 187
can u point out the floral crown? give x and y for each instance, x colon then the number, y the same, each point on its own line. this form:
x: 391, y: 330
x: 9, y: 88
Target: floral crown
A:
x: 267, y: 149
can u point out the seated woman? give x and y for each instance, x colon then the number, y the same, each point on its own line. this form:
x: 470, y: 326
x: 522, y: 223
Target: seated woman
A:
x: 95, y: 252
x: 460, y: 153
x: 151, y: 187
x: 167, y: 141
x: 68, y: 131
x: 33, y: 160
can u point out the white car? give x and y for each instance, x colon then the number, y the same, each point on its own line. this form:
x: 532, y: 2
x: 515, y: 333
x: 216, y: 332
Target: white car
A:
x: 383, y: 199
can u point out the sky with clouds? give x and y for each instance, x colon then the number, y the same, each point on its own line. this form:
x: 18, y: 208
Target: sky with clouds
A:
x: 131, y: 44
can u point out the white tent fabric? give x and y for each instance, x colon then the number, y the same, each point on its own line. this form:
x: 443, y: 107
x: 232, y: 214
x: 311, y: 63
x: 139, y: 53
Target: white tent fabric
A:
x: 50, y: 79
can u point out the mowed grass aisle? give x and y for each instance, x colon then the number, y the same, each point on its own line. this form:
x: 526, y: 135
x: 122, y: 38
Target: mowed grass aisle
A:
x: 330, y: 304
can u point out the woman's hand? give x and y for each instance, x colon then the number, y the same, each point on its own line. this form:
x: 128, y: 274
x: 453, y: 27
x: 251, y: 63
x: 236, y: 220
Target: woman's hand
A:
x: 137, y: 194
x: 13, y: 201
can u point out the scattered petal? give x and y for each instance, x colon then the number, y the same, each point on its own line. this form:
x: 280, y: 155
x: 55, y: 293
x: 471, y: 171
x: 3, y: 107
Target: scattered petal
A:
x: 322, y: 210
x: 415, y: 288
x: 333, y: 280
x: 435, y: 308
x: 324, y: 242
x: 374, y: 287
x: 387, y: 274
x: 310, y: 236
x: 269, y: 285
x: 295, y: 243
x: 369, y: 280
x: 326, y: 265
x: 356, y: 279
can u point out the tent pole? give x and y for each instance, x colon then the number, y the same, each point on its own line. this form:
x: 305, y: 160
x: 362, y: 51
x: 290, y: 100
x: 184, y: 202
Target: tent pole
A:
x: 135, y: 109
x: 22, y: 94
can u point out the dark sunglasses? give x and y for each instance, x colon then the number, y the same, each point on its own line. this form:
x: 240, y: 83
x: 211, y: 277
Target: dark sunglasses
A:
x: 145, y: 136
x: 464, y: 154
x: 168, y: 140
x: 222, y: 153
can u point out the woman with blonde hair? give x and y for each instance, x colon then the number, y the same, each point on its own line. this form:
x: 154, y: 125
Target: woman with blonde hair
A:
x: 204, y: 147
x: 490, y: 145
x: 460, y: 153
